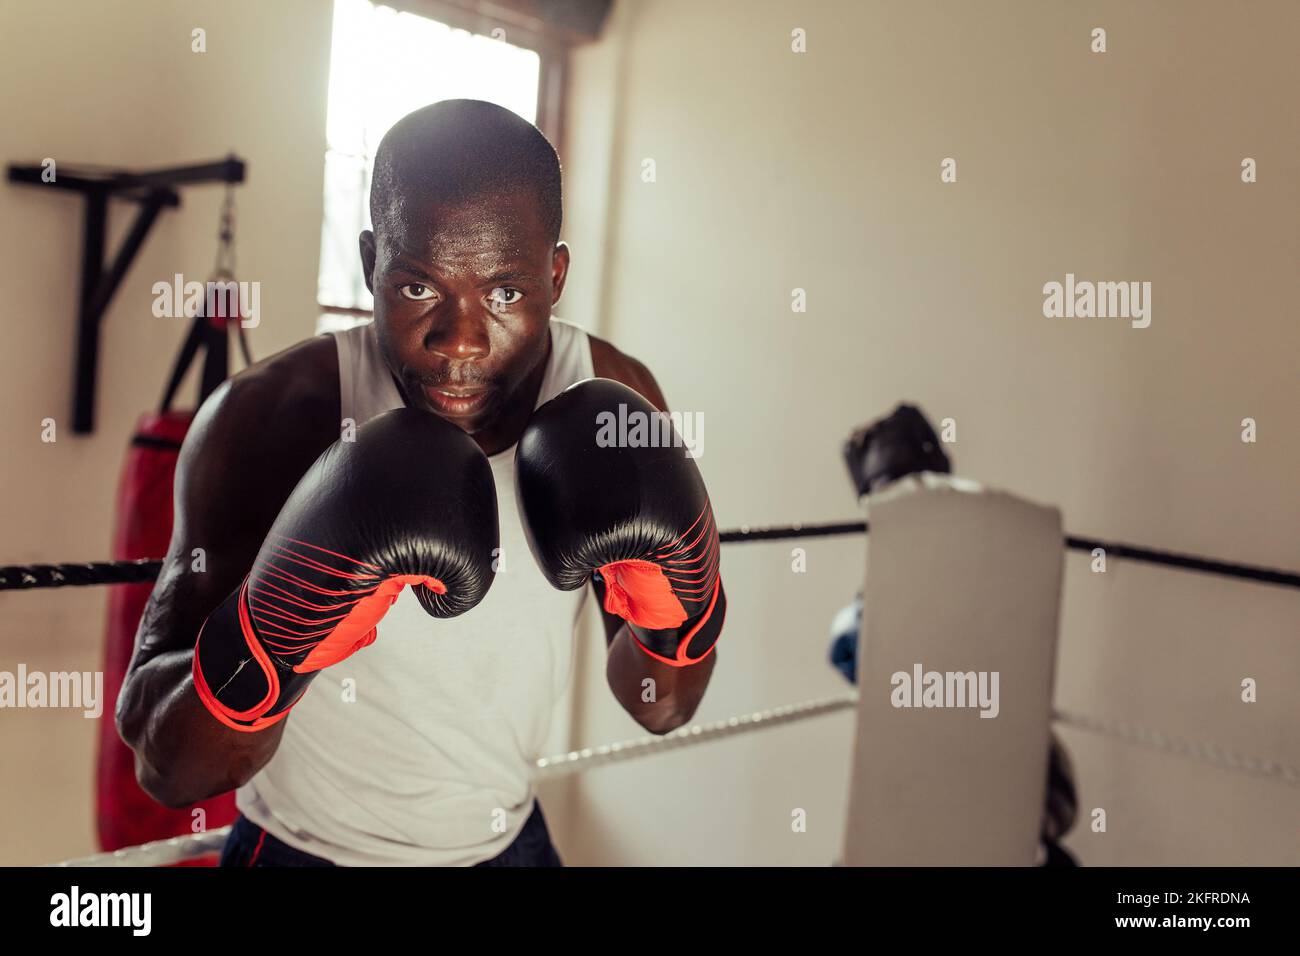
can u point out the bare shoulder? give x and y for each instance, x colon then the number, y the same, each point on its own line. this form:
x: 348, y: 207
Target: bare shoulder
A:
x: 290, y: 393
x: 608, y: 362
x: 304, y: 376
x: 256, y: 435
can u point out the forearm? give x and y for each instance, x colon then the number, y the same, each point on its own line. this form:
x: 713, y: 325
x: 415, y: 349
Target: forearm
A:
x: 658, y: 696
x: 182, y: 753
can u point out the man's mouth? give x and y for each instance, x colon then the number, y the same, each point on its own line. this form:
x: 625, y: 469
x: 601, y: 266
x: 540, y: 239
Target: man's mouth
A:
x: 453, y: 402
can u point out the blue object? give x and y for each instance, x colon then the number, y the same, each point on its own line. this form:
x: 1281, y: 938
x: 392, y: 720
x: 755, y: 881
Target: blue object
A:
x: 844, y: 639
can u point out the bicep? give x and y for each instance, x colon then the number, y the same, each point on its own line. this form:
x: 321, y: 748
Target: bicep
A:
x: 212, y: 543
x: 237, y: 466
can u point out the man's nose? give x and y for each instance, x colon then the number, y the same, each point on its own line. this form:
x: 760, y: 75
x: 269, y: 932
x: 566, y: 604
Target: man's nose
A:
x: 459, y: 334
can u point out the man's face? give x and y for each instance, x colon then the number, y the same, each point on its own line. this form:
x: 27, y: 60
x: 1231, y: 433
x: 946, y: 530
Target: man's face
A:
x: 463, y: 298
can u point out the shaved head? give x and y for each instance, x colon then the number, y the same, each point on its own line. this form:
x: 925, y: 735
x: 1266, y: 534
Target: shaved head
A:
x: 456, y: 151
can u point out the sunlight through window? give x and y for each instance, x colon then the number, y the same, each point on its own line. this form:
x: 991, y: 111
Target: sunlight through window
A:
x: 383, y: 65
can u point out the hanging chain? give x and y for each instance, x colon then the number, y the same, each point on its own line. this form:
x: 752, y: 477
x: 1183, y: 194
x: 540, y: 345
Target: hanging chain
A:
x: 225, y: 268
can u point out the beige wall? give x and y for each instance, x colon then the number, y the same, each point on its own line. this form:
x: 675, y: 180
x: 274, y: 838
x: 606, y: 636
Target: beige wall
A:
x: 821, y: 172
x: 117, y: 84
x: 775, y: 171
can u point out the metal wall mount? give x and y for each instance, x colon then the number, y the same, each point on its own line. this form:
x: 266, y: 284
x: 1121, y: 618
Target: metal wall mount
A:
x: 153, y: 191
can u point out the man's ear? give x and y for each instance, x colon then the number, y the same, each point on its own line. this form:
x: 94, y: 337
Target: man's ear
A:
x: 559, y: 270
x: 367, y: 240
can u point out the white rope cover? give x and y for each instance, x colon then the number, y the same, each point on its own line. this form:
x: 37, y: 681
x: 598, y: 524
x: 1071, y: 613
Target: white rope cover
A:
x: 177, y: 849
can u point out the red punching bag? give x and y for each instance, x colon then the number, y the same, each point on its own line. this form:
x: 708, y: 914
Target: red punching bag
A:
x: 126, y: 815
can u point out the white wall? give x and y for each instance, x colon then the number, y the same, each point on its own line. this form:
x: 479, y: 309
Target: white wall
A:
x: 821, y: 171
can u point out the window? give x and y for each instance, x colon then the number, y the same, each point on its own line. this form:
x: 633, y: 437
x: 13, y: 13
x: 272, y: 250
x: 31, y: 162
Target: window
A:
x: 384, y: 64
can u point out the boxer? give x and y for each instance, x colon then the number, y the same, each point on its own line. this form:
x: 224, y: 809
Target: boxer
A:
x: 355, y: 679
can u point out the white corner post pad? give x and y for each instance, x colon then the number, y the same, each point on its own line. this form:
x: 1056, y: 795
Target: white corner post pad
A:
x: 955, y: 665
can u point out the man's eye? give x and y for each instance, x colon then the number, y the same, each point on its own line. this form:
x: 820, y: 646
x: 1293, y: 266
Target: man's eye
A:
x: 416, y: 292
x: 500, y: 293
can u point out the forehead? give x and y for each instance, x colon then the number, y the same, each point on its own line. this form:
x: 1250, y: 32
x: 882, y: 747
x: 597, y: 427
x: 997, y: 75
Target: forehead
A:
x: 490, y: 228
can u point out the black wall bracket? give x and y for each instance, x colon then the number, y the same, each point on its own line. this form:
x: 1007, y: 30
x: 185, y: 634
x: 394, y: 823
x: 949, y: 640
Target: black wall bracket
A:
x: 152, y: 191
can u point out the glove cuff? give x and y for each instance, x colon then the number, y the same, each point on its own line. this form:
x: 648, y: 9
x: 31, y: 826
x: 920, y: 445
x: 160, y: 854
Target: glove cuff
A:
x: 690, y: 643
x: 234, y: 676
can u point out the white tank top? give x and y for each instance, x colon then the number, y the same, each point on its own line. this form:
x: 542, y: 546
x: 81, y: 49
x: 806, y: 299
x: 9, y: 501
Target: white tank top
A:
x: 418, y: 749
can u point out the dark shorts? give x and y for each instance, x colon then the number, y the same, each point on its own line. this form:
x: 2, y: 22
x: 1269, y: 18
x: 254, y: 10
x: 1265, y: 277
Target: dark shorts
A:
x: 250, y: 845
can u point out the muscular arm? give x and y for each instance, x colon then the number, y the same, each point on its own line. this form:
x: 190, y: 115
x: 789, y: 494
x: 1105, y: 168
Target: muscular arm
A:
x: 677, y: 690
x: 248, y: 446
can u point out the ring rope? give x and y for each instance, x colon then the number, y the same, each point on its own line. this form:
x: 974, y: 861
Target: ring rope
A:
x: 178, y: 849
x: 1200, y: 751
x: 16, y: 577
x: 581, y: 760
x: 1115, y: 549
x: 158, y: 852
x: 21, y: 577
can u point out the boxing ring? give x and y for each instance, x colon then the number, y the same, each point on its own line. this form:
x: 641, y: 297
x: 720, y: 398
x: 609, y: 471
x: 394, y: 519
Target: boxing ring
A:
x: 183, y: 848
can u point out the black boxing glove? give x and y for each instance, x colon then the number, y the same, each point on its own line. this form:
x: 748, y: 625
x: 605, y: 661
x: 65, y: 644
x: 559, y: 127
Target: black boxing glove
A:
x: 410, y: 501
x: 890, y: 448
x: 637, y: 517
